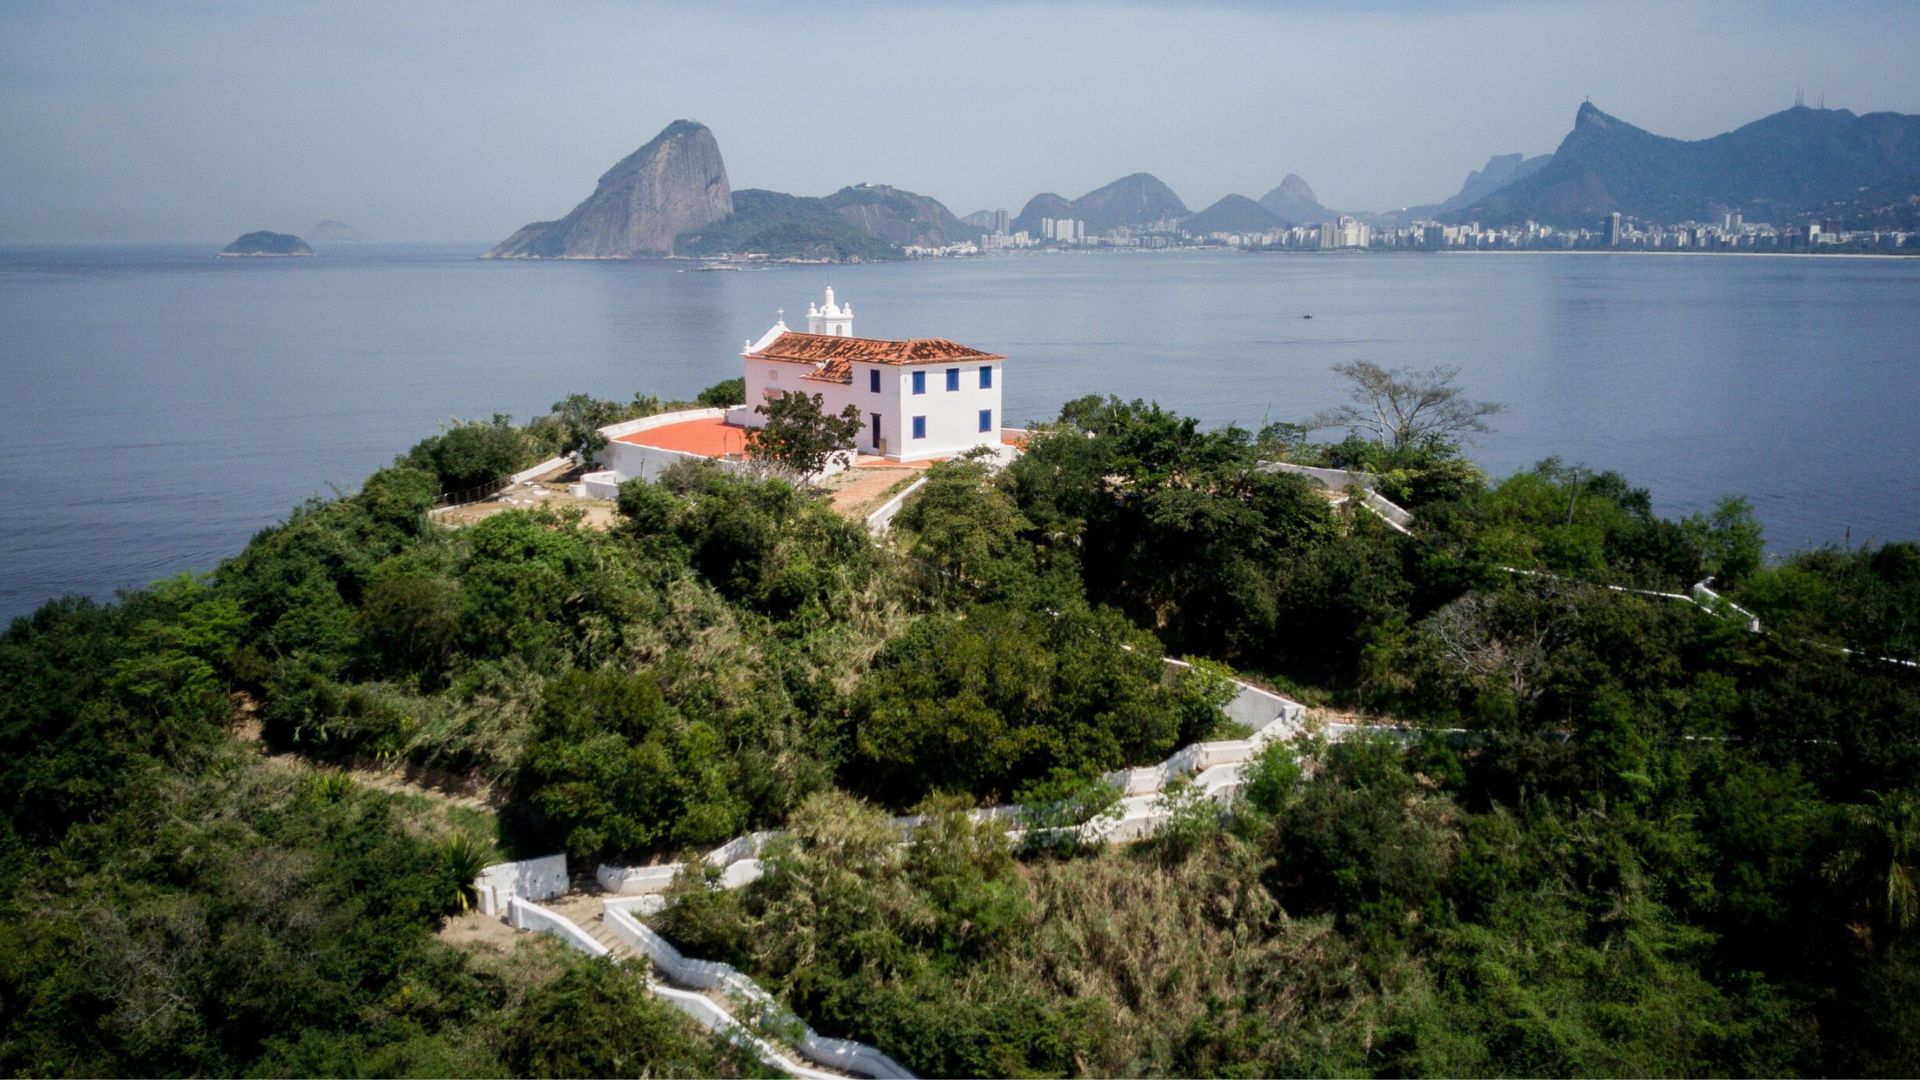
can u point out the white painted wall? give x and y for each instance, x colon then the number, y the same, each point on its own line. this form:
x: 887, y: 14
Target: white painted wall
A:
x: 952, y: 416
x: 703, y: 1010
x: 882, y: 519
x: 1337, y: 479
x: 624, y: 461
x: 842, y: 1054
x: 525, y: 915
x: 532, y: 879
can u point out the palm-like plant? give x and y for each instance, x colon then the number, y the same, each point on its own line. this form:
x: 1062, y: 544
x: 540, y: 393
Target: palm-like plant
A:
x: 1879, y: 858
x: 332, y: 785
x: 462, y: 859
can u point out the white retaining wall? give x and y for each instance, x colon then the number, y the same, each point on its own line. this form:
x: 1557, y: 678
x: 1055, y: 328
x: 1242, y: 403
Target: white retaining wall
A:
x: 631, y: 461
x: 882, y: 519
x: 704, y: 1011
x: 546, y: 466
x: 533, y: 879
x: 1337, y: 479
x: 842, y: 1054
x: 525, y: 915
x: 1216, y: 770
x: 1388, y: 511
x: 1341, y: 479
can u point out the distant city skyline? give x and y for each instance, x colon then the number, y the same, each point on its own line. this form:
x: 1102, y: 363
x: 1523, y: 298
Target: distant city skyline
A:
x: 455, y: 121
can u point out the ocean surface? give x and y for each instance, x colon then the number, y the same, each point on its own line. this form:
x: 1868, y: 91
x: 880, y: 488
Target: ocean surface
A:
x: 160, y: 406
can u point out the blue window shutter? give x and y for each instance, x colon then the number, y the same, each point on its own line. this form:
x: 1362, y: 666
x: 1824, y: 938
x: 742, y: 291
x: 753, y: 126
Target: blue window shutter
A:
x: 873, y: 380
x: 919, y: 427
x: 920, y: 382
x: 953, y: 378
x: 986, y: 376
x: 986, y: 419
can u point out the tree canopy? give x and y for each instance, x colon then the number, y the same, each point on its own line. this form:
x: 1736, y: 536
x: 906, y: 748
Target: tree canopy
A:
x: 1616, y: 830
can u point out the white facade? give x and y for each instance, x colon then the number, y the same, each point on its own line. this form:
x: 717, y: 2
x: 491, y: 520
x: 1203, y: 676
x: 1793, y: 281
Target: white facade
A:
x: 910, y: 410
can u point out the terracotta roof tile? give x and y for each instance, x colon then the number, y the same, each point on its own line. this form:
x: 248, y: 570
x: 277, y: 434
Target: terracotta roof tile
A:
x: 835, y: 351
x: 835, y: 370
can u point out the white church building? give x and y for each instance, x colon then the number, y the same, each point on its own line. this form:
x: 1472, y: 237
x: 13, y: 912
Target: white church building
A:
x: 922, y: 398
x: 919, y: 400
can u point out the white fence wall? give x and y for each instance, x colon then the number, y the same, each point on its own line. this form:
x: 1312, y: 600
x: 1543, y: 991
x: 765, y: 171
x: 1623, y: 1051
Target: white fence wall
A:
x: 1390, y: 512
x: 842, y: 1054
x: 546, y: 466
x: 1341, y: 479
x: 703, y: 1010
x: 533, y: 879
x: 882, y: 519
x: 526, y: 915
x: 1337, y: 479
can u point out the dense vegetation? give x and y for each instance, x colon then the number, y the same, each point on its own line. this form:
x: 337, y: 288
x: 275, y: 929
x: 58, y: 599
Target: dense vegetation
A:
x: 1635, y: 836
x: 786, y: 227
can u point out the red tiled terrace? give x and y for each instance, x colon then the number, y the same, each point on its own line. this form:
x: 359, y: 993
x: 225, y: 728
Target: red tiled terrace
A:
x: 713, y: 437
x: 709, y: 437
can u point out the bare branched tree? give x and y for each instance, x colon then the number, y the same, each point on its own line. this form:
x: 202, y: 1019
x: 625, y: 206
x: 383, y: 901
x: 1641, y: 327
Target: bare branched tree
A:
x: 1504, y: 639
x: 1405, y: 407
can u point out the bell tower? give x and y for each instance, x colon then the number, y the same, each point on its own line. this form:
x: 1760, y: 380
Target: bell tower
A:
x: 831, y: 319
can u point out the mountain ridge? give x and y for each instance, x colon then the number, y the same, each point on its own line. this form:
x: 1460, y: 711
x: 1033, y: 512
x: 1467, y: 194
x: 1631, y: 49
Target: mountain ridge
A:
x: 1773, y: 168
x: 1134, y: 201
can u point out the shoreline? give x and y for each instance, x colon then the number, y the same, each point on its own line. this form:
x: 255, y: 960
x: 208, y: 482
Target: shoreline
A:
x: 1691, y: 254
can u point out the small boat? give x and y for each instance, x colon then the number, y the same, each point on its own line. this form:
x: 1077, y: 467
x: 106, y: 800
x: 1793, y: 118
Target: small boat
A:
x: 1306, y: 316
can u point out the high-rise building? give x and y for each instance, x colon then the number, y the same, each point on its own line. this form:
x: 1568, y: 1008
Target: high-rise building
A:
x: 1345, y: 233
x: 1612, y: 227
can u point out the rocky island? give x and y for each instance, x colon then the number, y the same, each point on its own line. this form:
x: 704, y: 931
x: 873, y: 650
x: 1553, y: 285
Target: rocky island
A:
x: 266, y: 243
x: 674, y: 184
x: 671, y: 198
x: 335, y: 232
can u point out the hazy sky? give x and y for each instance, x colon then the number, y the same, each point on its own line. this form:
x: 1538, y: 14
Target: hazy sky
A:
x: 426, y: 120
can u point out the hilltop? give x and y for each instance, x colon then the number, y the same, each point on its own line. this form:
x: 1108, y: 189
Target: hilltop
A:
x: 1789, y: 163
x: 1603, y: 832
x: 1294, y: 202
x: 1136, y: 201
x: 1234, y: 213
x: 1499, y: 171
x: 899, y: 217
x: 676, y: 183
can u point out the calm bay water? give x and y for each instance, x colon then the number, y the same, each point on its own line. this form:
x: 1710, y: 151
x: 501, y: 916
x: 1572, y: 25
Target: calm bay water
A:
x: 160, y: 406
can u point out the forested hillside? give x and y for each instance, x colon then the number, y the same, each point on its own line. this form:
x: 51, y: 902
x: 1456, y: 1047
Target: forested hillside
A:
x: 1625, y: 835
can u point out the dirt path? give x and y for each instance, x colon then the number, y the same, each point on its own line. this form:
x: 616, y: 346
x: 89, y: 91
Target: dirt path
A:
x: 859, y: 492
x: 471, y: 792
x: 550, y: 490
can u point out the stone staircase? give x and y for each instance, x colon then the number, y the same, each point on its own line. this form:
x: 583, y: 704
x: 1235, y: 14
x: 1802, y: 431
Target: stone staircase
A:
x: 586, y: 909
